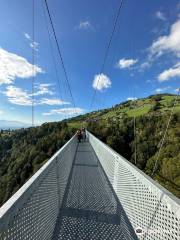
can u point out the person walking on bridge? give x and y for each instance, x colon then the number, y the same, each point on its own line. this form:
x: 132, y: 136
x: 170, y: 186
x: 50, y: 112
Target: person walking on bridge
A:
x: 79, y: 135
x: 84, y: 134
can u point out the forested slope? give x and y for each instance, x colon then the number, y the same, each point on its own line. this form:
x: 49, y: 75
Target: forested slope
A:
x: 24, y: 151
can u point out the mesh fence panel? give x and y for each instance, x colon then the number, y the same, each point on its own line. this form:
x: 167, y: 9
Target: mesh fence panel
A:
x: 32, y: 212
x: 153, y: 211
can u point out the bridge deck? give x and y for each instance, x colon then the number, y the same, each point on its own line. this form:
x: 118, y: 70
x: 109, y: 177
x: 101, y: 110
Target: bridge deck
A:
x: 90, y: 209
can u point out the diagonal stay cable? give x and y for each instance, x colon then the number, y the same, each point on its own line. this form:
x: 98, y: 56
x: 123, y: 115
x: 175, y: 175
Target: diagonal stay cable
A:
x: 165, y: 132
x: 107, y: 51
x: 60, y: 54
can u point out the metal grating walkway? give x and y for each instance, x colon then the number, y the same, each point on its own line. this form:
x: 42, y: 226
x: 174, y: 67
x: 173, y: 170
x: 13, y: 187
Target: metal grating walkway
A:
x: 90, y: 208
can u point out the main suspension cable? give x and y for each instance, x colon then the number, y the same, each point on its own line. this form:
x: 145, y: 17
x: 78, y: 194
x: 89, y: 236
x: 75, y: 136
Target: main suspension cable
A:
x: 33, y: 59
x: 60, y: 54
x: 106, y: 52
x: 53, y: 58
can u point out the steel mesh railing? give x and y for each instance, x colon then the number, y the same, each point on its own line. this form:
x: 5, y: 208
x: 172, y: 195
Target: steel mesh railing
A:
x: 153, y: 211
x: 32, y: 211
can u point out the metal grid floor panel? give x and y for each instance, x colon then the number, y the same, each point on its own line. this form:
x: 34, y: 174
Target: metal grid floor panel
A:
x: 86, y: 158
x: 88, y: 191
x: 82, y: 229
x: 84, y: 147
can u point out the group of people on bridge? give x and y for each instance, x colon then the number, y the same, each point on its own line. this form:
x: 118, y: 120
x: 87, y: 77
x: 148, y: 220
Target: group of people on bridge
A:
x: 81, y: 134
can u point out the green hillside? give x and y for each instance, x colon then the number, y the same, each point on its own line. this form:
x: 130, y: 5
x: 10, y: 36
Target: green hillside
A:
x: 24, y: 151
x: 161, y: 102
x: 115, y: 126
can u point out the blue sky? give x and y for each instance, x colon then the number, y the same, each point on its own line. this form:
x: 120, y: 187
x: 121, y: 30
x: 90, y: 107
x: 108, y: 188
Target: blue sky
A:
x: 143, y: 58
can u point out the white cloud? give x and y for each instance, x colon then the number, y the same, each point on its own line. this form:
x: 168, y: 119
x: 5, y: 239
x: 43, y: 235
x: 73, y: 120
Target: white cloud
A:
x: 1, y: 112
x: 27, y: 36
x: 160, y: 15
x: 43, y: 88
x: 167, y: 43
x: 84, y: 25
x: 13, y: 66
x: 18, y: 96
x: 101, y: 81
x: 131, y: 98
x: 51, y: 101
x: 159, y: 90
x: 169, y: 73
x: 64, y: 111
x: 32, y: 43
x: 144, y: 66
x: 126, y: 63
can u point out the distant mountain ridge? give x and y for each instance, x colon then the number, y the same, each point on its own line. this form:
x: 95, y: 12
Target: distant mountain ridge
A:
x: 5, y: 124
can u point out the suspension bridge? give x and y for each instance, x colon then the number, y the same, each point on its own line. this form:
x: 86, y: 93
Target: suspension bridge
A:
x: 88, y: 191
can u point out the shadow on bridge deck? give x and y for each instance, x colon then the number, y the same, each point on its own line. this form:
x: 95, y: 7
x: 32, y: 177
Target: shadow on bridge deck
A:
x: 90, y: 208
